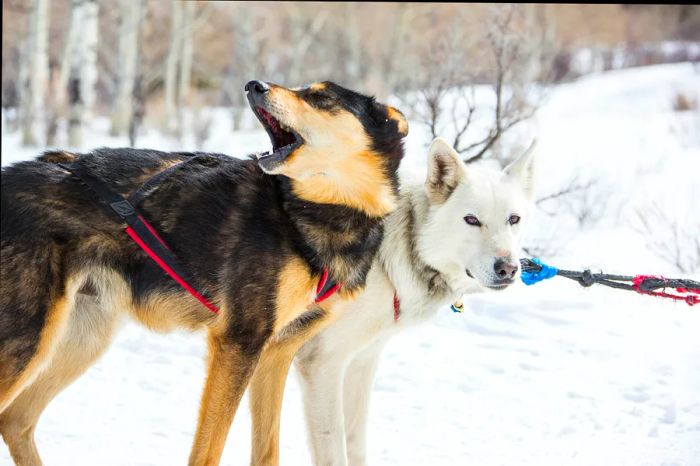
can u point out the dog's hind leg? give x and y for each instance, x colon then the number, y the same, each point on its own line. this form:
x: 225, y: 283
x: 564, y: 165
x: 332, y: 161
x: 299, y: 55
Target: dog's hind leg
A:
x: 22, y: 357
x: 230, y: 367
x: 359, y: 378
x: 35, y: 302
x: 89, y: 333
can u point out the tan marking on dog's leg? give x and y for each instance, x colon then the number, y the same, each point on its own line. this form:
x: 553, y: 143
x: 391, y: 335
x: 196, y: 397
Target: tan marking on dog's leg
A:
x: 88, y: 336
x: 21, y: 444
x: 296, y: 290
x: 267, y: 390
x: 227, y: 377
x: 54, y: 327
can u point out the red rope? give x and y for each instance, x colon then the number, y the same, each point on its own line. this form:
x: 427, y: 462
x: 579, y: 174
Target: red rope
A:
x: 691, y: 297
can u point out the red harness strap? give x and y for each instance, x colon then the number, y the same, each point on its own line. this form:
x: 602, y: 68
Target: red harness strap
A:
x: 325, y: 288
x: 146, y: 237
x: 166, y: 268
x: 397, y: 307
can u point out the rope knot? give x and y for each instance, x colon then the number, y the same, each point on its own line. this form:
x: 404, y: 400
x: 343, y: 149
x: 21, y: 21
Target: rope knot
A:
x: 587, y: 278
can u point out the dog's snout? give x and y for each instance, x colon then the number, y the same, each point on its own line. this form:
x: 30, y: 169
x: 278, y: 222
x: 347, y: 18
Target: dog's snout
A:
x: 259, y: 87
x: 505, y: 269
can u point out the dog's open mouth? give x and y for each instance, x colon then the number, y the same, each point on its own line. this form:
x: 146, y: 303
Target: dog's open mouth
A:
x: 284, y: 140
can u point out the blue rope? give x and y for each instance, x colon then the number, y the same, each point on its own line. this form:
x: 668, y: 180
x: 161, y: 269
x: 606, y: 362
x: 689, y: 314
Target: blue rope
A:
x: 545, y: 272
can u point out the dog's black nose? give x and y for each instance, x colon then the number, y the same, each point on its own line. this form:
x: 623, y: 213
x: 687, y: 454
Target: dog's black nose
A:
x: 257, y: 86
x: 505, y: 269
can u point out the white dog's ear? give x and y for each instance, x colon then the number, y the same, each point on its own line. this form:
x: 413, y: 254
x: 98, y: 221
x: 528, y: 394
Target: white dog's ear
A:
x: 522, y: 169
x: 445, y: 170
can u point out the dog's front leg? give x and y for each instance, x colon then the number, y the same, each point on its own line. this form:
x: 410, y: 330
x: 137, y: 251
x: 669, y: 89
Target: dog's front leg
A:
x: 230, y: 368
x: 322, y: 389
x: 359, y: 378
x: 266, y: 393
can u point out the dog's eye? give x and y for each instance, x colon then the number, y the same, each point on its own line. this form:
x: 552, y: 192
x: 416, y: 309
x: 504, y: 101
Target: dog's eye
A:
x: 513, y: 219
x: 472, y: 220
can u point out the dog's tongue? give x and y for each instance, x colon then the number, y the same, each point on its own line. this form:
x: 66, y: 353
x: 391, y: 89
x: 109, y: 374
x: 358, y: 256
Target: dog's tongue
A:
x: 269, y: 119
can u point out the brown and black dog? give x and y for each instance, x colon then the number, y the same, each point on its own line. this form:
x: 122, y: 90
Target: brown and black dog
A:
x: 256, y: 233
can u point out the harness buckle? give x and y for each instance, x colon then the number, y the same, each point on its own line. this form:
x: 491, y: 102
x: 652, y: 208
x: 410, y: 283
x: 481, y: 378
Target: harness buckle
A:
x: 123, y: 208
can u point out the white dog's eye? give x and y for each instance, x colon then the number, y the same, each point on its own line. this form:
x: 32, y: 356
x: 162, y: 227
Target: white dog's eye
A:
x: 513, y: 219
x: 472, y: 220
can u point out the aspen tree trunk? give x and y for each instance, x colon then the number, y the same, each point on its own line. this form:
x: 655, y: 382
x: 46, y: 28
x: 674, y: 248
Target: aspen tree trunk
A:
x: 183, y: 98
x: 353, y: 65
x: 88, y: 64
x: 53, y: 104
x: 138, y: 95
x: 34, y: 73
x: 131, y: 13
x: 171, y: 70
x: 83, y: 69
x: 187, y: 53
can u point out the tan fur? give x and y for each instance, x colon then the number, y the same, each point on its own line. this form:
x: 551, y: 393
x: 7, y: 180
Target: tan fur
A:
x: 88, y: 336
x: 177, y: 310
x: 56, y: 319
x: 267, y: 385
x: 57, y: 157
x: 394, y: 114
x: 227, y: 376
x: 265, y: 393
x: 296, y: 290
x: 362, y: 186
x: 336, y: 164
x: 227, y: 367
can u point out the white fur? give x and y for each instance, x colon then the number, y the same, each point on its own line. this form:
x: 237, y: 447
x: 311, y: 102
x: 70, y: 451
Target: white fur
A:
x: 337, y: 367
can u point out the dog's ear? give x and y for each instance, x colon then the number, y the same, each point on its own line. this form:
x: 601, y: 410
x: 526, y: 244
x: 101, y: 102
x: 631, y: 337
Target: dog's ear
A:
x: 522, y: 170
x: 445, y: 170
x: 401, y: 122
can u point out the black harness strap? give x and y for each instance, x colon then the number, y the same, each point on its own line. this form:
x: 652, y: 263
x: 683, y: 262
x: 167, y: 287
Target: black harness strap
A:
x: 124, y: 210
x: 152, y: 183
x: 140, y: 231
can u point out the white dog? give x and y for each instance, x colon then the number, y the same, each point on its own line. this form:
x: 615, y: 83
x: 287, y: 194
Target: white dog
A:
x: 458, y: 234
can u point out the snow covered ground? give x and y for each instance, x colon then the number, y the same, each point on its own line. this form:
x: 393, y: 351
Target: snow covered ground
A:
x: 545, y: 375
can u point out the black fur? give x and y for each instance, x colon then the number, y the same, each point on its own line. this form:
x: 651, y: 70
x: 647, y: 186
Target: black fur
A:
x: 231, y: 225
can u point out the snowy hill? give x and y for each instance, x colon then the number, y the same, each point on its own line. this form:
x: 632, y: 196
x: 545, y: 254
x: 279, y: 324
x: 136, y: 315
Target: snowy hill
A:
x: 546, y: 375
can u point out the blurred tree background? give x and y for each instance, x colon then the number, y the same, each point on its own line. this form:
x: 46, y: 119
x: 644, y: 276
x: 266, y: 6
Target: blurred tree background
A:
x: 146, y: 61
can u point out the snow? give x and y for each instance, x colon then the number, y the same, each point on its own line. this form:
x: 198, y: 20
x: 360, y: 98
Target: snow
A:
x: 545, y: 375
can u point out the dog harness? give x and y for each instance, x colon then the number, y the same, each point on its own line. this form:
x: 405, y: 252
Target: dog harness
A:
x: 146, y: 237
